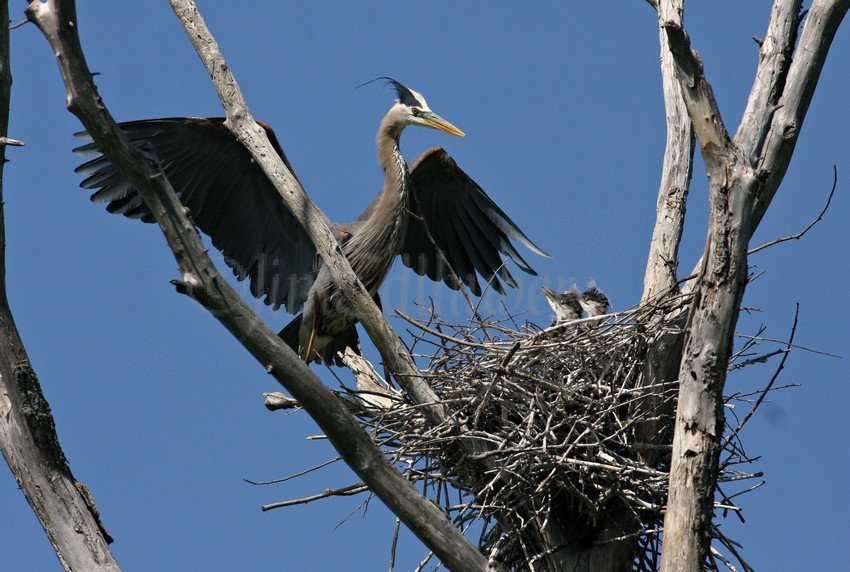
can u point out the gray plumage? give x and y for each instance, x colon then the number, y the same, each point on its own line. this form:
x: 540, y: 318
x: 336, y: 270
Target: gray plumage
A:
x: 594, y: 301
x: 455, y: 234
x: 567, y: 306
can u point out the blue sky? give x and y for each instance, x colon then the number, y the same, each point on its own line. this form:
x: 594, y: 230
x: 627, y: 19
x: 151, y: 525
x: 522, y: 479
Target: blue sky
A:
x: 160, y: 411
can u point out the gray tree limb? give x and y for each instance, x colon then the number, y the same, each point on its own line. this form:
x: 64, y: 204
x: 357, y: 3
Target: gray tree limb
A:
x: 775, y: 53
x: 660, y: 277
x: 712, y: 315
x: 822, y: 21
x: 28, y: 437
x: 57, y: 21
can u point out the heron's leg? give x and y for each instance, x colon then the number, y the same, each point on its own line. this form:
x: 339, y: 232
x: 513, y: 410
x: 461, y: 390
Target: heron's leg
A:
x: 314, y: 325
x: 307, y: 353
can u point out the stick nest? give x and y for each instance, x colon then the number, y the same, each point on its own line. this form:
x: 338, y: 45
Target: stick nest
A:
x: 562, y: 425
x: 544, y: 423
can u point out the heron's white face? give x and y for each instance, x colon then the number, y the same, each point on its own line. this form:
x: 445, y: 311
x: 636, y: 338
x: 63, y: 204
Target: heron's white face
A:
x: 564, y: 305
x: 422, y: 115
x: 594, y: 307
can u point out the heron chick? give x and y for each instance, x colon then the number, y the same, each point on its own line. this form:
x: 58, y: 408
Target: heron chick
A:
x: 594, y: 301
x: 567, y: 306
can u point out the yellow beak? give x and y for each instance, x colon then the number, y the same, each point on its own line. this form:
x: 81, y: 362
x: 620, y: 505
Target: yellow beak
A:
x: 437, y: 122
x: 549, y: 293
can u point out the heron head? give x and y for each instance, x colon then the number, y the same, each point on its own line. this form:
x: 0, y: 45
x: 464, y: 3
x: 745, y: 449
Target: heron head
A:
x: 411, y: 109
x: 594, y: 301
x: 566, y: 306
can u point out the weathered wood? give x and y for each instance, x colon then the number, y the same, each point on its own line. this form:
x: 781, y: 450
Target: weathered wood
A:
x: 712, y: 318
x: 28, y: 436
x: 744, y: 175
x: 702, y: 373
x: 660, y: 277
x: 775, y: 54
x: 822, y: 21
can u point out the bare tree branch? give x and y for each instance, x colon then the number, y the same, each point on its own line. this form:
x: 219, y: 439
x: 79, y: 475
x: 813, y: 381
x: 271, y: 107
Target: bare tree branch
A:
x: 57, y: 20
x: 822, y: 20
x: 773, y: 379
x: 696, y: 91
x: 774, y: 59
x: 348, y: 491
x: 294, y: 475
x: 809, y: 227
x: 662, y: 263
x: 28, y: 436
x: 660, y: 279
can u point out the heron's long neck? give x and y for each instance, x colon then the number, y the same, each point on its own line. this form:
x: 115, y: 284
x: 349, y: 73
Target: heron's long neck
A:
x: 396, y: 177
x: 373, y: 248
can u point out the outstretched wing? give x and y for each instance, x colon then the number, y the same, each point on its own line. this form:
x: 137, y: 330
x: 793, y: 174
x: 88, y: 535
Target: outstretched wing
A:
x: 228, y: 196
x: 456, y: 230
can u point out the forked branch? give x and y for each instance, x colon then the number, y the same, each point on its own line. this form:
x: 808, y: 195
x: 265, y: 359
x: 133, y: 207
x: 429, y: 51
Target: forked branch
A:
x: 743, y: 177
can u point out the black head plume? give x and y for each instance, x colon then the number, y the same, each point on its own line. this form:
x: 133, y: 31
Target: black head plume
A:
x: 406, y: 96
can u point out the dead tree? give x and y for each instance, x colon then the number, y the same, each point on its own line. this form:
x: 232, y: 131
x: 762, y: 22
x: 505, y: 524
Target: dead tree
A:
x: 570, y: 448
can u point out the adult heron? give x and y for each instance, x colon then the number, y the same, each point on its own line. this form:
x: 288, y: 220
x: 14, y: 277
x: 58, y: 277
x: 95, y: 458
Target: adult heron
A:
x: 432, y: 214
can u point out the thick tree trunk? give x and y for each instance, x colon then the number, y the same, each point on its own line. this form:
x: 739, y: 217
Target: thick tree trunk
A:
x: 744, y: 175
x: 660, y: 284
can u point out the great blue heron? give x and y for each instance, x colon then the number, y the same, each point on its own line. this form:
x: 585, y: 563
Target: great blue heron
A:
x: 594, y: 301
x: 567, y: 306
x: 441, y: 222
